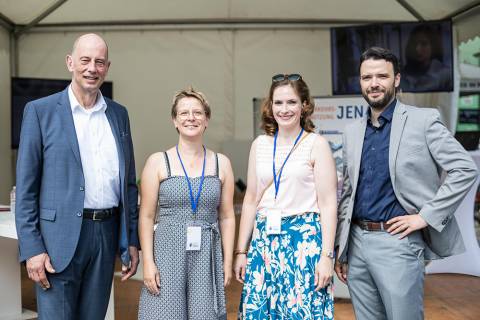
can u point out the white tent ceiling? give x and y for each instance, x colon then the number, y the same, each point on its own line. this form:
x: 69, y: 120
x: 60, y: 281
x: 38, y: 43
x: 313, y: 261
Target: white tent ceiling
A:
x: 15, y: 14
x: 22, y: 12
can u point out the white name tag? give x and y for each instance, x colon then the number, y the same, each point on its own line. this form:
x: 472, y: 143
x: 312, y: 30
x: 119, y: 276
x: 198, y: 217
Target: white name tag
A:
x: 194, y: 238
x: 274, y: 221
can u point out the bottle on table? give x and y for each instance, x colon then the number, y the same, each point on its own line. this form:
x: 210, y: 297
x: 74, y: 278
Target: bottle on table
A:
x: 12, y: 200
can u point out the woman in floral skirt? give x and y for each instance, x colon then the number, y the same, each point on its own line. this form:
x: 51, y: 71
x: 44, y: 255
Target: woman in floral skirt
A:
x: 284, y: 255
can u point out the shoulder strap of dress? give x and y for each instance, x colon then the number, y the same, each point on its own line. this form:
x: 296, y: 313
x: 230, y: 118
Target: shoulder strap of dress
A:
x: 216, y: 165
x: 167, y: 163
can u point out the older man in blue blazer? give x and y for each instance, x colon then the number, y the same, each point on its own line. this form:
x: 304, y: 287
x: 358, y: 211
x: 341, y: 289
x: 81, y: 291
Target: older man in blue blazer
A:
x: 76, y: 191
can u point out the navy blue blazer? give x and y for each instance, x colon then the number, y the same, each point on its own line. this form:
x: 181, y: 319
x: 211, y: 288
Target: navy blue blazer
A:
x: 50, y: 182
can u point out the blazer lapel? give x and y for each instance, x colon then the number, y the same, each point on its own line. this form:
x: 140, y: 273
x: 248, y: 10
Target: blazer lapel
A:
x: 398, y: 123
x: 359, y: 136
x: 66, y: 116
x: 113, y: 120
x: 112, y: 117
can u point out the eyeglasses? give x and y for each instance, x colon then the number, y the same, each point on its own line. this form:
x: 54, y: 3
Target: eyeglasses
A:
x: 291, y: 77
x: 183, y: 115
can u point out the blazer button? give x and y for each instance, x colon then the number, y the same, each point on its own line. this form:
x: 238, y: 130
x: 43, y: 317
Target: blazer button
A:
x: 349, y: 220
x: 79, y: 214
x: 82, y: 188
x: 444, y: 222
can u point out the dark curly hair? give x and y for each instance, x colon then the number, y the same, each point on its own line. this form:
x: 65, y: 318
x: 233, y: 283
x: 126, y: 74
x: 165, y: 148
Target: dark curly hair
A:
x: 269, y: 125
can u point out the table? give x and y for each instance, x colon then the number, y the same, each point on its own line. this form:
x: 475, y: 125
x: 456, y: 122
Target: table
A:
x: 10, y: 293
x: 469, y: 261
x: 10, y: 278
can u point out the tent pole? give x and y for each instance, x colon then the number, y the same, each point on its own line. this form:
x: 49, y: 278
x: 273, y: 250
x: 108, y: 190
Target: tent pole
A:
x: 42, y: 16
x: 211, y: 23
x: 6, y: 22
x: 411, y: 9
x: 13, y: 55
x: 456, y: 15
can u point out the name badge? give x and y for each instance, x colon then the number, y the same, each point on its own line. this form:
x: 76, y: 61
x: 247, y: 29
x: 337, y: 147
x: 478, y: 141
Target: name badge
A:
x: 194, y: 238
x: 274, y: 221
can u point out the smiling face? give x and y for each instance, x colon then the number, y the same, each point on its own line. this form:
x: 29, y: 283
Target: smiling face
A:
x: 88, y: 64
x: 191, y: 119
x: 378, y: 82
x: 286, y: 107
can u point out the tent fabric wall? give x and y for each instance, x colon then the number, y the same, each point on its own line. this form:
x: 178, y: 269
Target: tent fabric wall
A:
x: 469, y: 26
x: 261, y: 54
x: 230, y: 67
x: 6, y: 171
x: 172, y: 44
x: 147, y: 69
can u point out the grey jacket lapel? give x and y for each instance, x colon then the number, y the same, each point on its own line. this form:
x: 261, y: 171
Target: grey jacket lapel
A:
x: 113, y: 120
x: 359, y: 135
x: 398, y: 123
x: 66, y: 116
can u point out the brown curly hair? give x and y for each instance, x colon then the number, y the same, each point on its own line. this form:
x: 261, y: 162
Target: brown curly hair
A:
x: 269, y: 125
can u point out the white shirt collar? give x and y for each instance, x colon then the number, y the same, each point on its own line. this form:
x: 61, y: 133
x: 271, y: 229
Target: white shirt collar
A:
x: 100, y: 104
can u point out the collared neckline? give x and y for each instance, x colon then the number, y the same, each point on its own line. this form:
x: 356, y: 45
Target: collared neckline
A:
x: 386, y: 115
x: 100, y: 104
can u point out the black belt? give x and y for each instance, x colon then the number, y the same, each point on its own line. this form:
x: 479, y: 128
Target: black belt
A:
x: 99, y: 214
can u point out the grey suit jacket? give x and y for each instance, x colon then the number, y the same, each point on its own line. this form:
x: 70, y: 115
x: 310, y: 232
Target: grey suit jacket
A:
x: 50, y: 181
x: 430, y: 171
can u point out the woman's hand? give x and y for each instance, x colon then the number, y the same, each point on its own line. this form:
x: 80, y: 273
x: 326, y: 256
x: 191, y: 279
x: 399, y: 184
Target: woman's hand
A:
x: 323, y: 273
x: 227, y: 271
x: 151, y: 277
x: 240, y: 267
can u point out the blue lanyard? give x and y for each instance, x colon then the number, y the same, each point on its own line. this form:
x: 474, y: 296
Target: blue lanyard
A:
x: 276, y: 181
x: 194, y: 201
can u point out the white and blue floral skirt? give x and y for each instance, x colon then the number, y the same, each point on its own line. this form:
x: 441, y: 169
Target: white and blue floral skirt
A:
x: 280, y: 274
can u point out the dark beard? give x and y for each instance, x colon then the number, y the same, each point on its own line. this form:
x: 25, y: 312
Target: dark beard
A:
x: 389, y: 94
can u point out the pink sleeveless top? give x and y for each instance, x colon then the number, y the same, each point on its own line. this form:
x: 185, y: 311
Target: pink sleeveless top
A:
x: 297, y: 193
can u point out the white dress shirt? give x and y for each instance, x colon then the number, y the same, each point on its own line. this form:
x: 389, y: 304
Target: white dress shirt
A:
x: 98, y: 152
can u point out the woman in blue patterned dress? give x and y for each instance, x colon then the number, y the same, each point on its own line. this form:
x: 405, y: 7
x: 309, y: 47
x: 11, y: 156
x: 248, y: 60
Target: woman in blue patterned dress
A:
x: 284, y: 255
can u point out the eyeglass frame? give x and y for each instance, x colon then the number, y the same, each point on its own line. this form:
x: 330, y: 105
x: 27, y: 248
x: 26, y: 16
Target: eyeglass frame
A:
x: 197, y: 115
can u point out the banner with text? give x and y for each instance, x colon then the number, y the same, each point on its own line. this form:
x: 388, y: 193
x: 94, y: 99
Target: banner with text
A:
x: 330, y: 117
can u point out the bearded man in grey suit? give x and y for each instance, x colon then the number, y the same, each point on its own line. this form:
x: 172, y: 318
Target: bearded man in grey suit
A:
x: 404, y: 177
x: 76, y: 191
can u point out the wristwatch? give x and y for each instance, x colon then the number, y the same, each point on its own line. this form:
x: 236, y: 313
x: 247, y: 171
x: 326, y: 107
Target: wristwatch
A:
x: 328, y: 254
